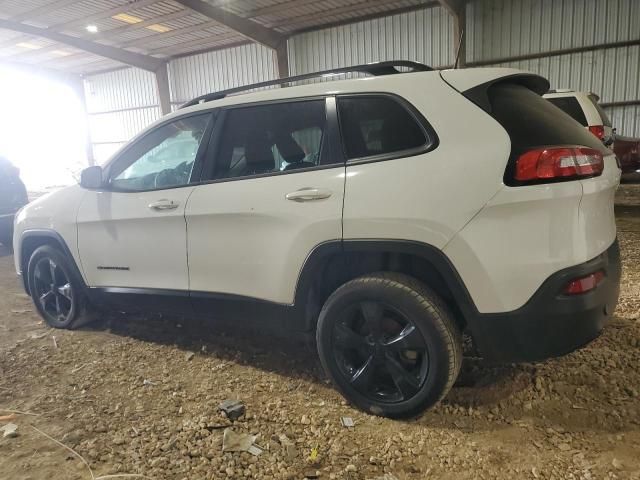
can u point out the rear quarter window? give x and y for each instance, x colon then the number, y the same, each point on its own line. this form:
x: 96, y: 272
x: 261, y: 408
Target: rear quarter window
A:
x: 531, y: 121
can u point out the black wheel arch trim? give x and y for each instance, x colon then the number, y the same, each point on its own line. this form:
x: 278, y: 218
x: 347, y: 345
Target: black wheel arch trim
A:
x: 50, y: 234
x: 431, y: 254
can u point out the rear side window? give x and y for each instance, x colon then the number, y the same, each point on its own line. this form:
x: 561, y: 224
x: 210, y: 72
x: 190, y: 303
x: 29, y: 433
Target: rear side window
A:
x: 378, y: 125
x: 531, y: 121
x: 272, y: 138
x: 571, y: 106
x: 605, y: 119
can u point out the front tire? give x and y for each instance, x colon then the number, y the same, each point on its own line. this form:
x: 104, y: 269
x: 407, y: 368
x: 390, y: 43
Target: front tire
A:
x: 56, y: 290
x: 389, y: 344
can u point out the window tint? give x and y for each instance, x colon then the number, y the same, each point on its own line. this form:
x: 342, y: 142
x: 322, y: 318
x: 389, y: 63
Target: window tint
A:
x: 571, y: 106
x: 605, y: 118
x: 532, y: 121
x: 161, y: 159
x: 376, y: 125
x: 270, y: 139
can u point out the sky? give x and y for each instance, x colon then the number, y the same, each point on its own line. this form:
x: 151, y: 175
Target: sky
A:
x: 43, y: 129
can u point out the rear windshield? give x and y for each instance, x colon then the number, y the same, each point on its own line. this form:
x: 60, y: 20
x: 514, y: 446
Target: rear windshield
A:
x: 605, y: 119
x: 571, y: 106
x: 531, y: 121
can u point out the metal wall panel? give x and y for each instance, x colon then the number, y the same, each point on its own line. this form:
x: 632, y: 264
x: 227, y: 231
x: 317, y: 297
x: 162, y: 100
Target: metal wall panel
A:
x: 119, y: 105
x: 503, y: 28
x: 498, y: 29
x: 422, y: 35
x: 126, y: 88
x: 218, y: 70
x: 611, y: 73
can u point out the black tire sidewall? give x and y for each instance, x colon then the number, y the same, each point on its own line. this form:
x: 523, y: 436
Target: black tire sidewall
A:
x: 428, y: 321
x: 62, y: 262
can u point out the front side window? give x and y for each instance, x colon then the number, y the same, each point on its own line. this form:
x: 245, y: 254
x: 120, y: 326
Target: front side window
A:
x: 377, y: 125
x: 163, y: 158
x: 271, y: 138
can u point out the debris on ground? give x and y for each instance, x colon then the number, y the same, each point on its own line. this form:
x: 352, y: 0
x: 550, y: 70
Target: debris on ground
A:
x: 232, y: 408
x: 10, y: 430
x: 89, y: 393
x: 313, y: 455
x: 38, y: 336
x: 239, y: 442
x: 290, y: 452
x: 6, y: 418
x: 189, y: 356
x: 347, y: 422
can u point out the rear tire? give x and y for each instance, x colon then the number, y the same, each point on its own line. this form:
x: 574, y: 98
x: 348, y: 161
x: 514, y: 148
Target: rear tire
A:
x: 389, y: 344
x: 57, y: 291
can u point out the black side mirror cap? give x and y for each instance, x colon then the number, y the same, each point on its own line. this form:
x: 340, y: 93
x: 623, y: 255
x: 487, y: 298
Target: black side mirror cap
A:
x: 91, y: 178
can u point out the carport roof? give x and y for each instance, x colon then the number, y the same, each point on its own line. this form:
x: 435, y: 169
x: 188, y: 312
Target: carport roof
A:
x: 50, y: 33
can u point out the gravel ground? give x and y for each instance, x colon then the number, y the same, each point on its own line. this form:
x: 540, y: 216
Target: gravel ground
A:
x: 136, y: 395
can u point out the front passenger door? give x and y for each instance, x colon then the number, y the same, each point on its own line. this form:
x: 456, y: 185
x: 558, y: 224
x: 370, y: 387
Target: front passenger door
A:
x: 132, y: 234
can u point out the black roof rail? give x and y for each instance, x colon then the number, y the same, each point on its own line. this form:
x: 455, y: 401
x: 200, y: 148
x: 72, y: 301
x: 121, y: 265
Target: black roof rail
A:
x: 375, y: 68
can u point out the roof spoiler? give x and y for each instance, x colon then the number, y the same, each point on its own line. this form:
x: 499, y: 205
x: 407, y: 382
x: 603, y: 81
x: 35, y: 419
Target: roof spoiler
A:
x: 475, y: 84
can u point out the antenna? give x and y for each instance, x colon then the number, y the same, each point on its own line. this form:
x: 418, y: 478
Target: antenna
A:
x: 460, y: 40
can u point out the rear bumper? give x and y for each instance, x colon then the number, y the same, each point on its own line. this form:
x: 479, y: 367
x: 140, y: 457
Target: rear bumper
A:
x: 551, y: 324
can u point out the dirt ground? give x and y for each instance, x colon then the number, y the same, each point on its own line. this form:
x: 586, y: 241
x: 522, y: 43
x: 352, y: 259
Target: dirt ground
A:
x: 136, y: 395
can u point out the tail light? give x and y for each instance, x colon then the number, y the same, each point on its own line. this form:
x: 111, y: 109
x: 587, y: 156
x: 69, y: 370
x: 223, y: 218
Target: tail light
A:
x: 558, y: 163
x: 598, y: 131
x: 584, y: 284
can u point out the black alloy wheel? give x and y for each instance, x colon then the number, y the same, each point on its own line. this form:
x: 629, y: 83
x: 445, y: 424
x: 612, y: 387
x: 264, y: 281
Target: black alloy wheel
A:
x: 389, y: 343
x: 53, y: 291
x: 57, y: 289
x: 380, y: 351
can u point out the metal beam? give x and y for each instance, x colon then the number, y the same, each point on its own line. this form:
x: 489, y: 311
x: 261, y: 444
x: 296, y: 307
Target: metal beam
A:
x: 282, y: 56
x: 130, y: 58
x: 78, y: 88
x: 458, y: 10
x: 164, y: 93
x: 247, y: 28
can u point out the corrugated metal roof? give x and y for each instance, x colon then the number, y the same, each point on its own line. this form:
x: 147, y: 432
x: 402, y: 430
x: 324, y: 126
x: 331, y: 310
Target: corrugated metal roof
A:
x: 188, y: 31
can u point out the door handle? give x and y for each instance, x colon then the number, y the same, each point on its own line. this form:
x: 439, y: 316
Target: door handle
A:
x: 308, y: 194
x: 163, y: 204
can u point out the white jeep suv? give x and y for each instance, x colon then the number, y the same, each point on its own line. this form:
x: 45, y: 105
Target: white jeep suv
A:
x: 585, y: 109
x: 387, y: 214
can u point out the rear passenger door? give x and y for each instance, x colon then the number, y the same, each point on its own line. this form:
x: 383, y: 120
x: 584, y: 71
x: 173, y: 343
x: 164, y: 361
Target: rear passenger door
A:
x: 272, y: 191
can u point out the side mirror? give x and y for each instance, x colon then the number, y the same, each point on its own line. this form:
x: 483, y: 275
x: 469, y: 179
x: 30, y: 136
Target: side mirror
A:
x: 91, y: 178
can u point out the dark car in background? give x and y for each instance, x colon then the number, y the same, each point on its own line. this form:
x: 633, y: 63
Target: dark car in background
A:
x: 13, y: 196
x: 627, y: 149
